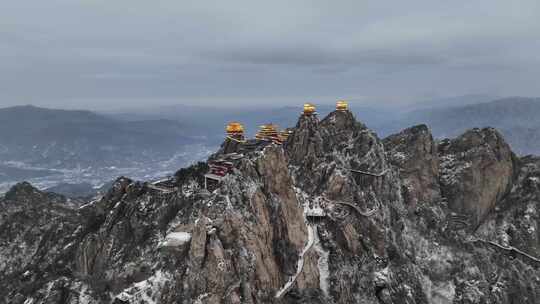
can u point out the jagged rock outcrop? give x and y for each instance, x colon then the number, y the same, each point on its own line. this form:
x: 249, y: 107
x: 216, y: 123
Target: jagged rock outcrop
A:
x: 414, y: 152
x: 335, y: 215
x: 230, y: 146
x: 350, y: 166
x: 448, y: 260
x: 39, y: 234
x: 477, y: 171
x: 322, y: 154
x: 307, y: 149
x: 516, y: 220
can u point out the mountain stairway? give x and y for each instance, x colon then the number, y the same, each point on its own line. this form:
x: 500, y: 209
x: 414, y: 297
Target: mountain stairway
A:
x: 312, y: 230
x: 510, y: 249
x: 363, y: 213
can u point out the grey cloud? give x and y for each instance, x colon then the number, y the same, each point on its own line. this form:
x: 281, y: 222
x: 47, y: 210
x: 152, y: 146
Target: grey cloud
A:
x: 303, y: 55
x: 59, y: 52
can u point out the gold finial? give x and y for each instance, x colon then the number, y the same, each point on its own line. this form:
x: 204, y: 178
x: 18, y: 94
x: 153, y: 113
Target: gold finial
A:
x: 342, y: 105
x: 309, y: 109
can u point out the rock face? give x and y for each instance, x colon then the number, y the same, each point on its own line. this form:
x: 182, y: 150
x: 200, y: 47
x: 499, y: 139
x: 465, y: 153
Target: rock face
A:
x: 477, y: 171
x: 414, y: 152
x: 38, y: 239
x: 335, y: 215
x: 516, y: 221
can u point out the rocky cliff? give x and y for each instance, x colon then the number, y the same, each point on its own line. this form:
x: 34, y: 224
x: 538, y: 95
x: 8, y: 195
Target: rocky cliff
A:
x: 334, y: 215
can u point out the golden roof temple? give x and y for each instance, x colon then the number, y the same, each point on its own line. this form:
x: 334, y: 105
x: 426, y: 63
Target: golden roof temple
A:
x: 342, y: 105
x: 309, y: 109
x: 268, y: 132
x: 235, y: 130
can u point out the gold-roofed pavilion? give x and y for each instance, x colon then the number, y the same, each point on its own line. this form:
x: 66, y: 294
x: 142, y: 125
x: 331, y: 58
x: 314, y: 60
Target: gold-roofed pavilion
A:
x: 342, y: 105
x: 268, y: 132
x: 235, y: 130
x: 309, y: 109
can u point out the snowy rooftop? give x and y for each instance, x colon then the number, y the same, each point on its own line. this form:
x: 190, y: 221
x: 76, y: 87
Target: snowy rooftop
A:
x: 213, y: 176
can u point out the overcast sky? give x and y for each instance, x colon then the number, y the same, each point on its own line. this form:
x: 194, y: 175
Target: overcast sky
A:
x: 102, y: 54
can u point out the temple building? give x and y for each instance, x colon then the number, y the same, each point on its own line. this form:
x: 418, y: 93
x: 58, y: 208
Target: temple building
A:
x: 342, y: 105
x: 235, y: 130
x: 309, y: 109
x: 269, y: 132
x: 218, y: 170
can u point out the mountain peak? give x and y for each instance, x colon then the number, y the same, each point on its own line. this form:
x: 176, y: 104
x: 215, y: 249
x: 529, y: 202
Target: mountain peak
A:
x: 24, y: 191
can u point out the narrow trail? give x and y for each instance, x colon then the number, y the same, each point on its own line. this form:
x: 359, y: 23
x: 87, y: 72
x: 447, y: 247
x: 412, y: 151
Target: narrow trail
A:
x: 366, y: 213
x: 300, y: 264
x: 507, y: 248
x: 369, y: 173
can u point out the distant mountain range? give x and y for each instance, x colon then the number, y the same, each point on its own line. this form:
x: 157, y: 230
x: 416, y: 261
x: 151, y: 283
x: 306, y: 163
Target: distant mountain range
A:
x: 65, y: 139
x: 50, y: 146
x: 518, y: 118
x: 454, y: 101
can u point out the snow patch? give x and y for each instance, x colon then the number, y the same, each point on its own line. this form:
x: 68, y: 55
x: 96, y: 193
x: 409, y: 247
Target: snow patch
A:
x: 381, y: 278
x: 438, y: 292
x: 90, y: 203
x: 84, y: 297
x: 175, y: 239
x: 201, y: 297
x: 147, y: 291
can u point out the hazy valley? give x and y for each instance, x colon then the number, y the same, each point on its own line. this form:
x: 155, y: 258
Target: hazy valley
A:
x: 48, y: 147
